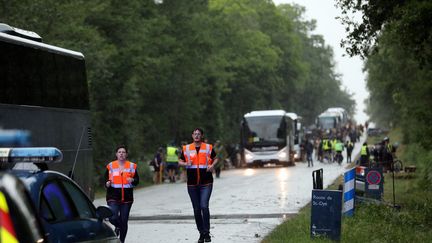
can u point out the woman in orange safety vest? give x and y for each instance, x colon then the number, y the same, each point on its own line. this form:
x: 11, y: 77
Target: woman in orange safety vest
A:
x: 121, y: 177
x: 199, y: 160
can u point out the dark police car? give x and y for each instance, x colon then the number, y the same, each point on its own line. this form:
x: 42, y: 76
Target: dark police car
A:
x: 38, y: 205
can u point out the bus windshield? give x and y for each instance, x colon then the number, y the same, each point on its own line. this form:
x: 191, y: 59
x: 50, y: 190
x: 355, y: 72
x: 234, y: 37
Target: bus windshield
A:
x: 327, y: 122
x: 269, y: 130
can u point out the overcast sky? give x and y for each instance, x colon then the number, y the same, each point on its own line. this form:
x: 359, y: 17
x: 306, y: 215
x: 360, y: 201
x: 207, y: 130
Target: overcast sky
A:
x: 324, y: 12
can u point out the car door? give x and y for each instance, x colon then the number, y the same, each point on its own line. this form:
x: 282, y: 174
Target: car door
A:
x: 70, y: 216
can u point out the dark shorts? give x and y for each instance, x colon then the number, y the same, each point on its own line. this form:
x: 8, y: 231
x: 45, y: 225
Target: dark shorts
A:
x: 171, y: 166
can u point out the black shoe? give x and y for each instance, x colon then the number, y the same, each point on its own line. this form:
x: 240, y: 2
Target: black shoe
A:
x: 117, y: 231
x: 207, y: 237
x: 201, y: 239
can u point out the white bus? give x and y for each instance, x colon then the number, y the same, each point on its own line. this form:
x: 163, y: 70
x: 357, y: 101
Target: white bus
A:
x: 270, y: 137
x: 332, y: 118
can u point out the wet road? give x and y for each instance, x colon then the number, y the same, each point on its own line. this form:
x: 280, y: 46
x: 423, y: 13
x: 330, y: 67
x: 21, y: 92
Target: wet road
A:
x: 246, y: 204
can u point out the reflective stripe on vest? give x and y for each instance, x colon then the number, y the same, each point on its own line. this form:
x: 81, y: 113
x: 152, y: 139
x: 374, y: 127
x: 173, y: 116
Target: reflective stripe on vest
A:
x: 7, y: 231
x: 171, y: 155
x: 363, y: 150
x: 202, y: 160
x: 118, y: 177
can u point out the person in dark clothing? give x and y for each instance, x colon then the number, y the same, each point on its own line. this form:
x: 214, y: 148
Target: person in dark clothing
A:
x: 121, y: 177
x: 309, y: 147
x: 157, y: 166
x: 350, y: 146
x: 200, y: 160
x: 387, y: 154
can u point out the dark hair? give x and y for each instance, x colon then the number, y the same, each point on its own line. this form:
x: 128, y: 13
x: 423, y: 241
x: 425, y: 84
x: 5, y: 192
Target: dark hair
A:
x: 199, y: 129
x: 121, y: 146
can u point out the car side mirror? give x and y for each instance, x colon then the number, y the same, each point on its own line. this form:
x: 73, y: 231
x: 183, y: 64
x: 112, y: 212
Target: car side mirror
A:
x: 103, y: 212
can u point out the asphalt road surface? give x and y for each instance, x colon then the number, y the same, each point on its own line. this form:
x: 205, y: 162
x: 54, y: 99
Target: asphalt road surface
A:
x: 246, y: 204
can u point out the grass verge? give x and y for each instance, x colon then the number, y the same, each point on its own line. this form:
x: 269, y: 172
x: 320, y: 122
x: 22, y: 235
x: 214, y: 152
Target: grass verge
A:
x: 371, y: 222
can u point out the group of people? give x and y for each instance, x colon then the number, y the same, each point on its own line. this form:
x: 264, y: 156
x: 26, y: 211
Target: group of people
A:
x: 328, y: 149
x: 166, y: 162
x: 382, y: 153
x: 198, y: 158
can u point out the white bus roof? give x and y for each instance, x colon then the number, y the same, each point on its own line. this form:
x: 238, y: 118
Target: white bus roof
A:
x: 330, y: 114
x: 291, y: 115
x: 336, y: 109
x: 265, y: 113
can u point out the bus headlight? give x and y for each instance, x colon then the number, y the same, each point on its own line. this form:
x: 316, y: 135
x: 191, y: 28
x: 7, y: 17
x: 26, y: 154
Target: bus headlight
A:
x: 282, y: 155
x: 248, y: 156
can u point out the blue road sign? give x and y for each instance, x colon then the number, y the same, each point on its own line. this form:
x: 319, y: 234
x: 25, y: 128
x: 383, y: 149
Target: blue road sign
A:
x: 326, y: 215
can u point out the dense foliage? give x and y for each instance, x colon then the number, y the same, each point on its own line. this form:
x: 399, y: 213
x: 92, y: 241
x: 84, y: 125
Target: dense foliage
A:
x: 156, y: 71
x: 396, y: 39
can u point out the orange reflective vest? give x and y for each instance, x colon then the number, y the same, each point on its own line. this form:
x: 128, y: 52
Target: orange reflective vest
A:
x: 119, y: 177
x: 202, y: 159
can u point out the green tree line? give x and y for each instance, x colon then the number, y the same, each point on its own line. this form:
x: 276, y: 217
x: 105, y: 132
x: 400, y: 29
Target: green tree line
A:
x: 395, y: 38
x: 157, y: 70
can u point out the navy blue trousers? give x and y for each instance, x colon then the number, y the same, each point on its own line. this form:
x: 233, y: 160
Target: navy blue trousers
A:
x: 120, y: 217
x: 200, y: 197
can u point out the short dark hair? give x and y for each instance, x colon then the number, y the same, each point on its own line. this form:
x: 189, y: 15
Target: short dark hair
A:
x: 199, y: 129
x: 121, y: 146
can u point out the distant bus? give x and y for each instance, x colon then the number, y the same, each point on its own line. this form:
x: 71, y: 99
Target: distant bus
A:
x: 44, y: 92
x: 332, y: 118
x: 270, y: 137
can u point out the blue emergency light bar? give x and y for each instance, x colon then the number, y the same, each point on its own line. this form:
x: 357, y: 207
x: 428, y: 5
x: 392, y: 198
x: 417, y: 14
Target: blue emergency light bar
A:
x: 31, y: 155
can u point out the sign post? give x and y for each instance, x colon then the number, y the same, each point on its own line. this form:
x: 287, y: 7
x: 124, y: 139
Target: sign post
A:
x: 317, y: 176
x: 349, y: 192
x: 326, y: 215
x: 374, y: 183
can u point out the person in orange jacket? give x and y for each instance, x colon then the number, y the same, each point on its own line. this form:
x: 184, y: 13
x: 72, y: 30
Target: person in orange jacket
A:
x: 121, y: 177
x: 199, y: 159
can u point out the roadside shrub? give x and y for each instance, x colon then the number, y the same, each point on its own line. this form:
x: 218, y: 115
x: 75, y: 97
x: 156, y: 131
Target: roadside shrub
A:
x: 425, y: 164
x: 415, y: 154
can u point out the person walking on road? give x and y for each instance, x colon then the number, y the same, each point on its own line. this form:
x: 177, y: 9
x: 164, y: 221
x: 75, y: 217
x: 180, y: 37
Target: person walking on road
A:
x: 339, y: 148
x: 199, y: 159
x: 221, y: 154
x: 309, y: 147
x: 364, y: 155
x: 157, y: 165
x: 172, y: 162
x: 121, y: 177
x: 349, y: 146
